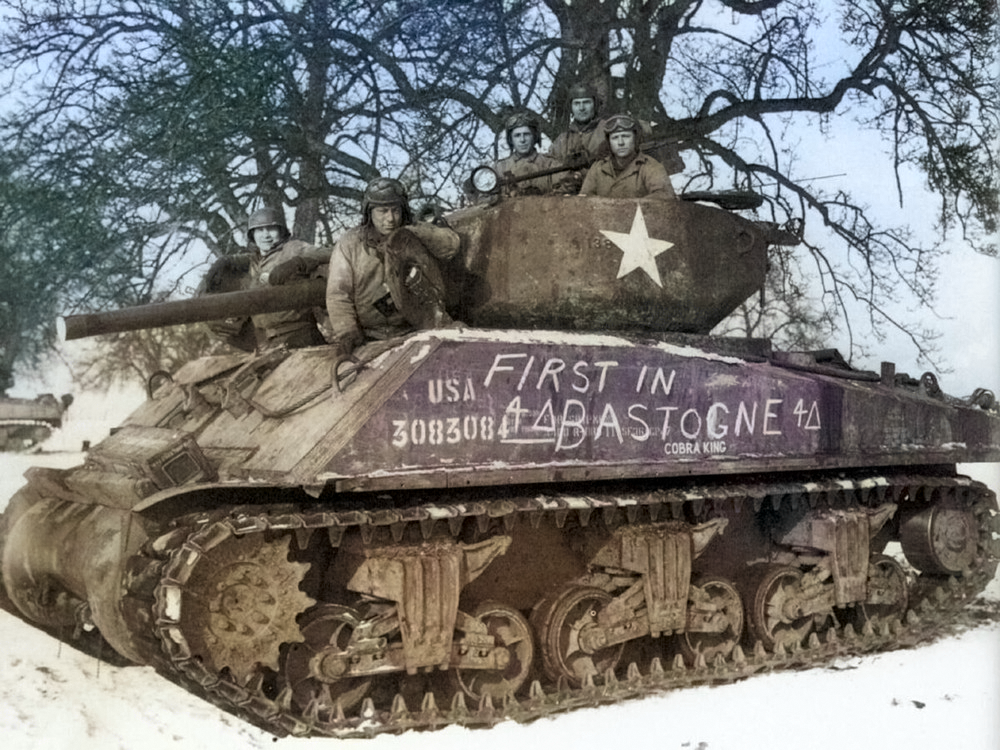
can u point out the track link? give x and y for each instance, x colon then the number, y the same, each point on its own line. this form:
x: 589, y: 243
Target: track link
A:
x: 168, y: 563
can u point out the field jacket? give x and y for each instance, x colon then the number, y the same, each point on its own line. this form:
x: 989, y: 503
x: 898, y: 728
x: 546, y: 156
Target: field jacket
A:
x: 643, y: 177
x: 357, y: 297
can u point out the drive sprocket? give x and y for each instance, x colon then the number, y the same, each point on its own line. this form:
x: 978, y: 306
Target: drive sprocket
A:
x: 240, y: 604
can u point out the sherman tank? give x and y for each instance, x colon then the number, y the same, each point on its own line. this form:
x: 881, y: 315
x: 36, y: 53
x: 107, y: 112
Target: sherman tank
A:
x: 574, y: 495
x: 27, y: 422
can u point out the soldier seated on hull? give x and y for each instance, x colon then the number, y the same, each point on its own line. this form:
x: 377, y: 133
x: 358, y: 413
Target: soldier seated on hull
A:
x: 625, y: 172
x: 384, y: 280
x: 273, y: 258
x: 523, y: 135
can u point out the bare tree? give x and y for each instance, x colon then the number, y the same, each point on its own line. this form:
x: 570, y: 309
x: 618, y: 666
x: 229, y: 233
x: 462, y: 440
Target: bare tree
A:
x: 727, y: 79
x: 53, y: 243
x: 176, y: 118
x: 133, y: 357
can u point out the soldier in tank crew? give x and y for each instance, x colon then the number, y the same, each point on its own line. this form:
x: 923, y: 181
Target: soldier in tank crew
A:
x: 384, y: 282
x: 583, y: 142
x: 626, y: 172
x: 273, y: 258
x: 523, y: 134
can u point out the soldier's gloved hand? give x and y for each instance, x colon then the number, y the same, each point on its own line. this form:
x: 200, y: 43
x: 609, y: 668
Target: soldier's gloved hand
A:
x: 569, y: 185
x: 223, y: 273
x: 430, y: 213
x: 342, y: 348
x: 226, y: 327
x: 578, y: 160
x: 292, y: 269
x: 344, y: 344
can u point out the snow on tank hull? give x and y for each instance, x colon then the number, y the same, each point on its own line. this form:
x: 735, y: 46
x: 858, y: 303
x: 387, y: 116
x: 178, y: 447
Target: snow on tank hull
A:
x: 472, y: 408
x: 479, y: 508
x: 471, y: 524
x: 480, y: 409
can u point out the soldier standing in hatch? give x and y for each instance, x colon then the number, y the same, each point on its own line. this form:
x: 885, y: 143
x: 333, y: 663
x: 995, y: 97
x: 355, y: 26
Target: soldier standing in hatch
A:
x: 626, y: 173
x: 523, y: 135
x: 583, y: 142
x: 274, y: 258
x: 381, y: 283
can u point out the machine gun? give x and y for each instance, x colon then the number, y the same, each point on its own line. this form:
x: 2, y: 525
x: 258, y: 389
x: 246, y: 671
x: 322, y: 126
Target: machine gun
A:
x: 487, y: 182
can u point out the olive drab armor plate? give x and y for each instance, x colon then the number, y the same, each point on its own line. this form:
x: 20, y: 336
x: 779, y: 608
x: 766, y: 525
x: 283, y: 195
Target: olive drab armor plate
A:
x: 602, y: 264
x: 478, y: 409
x: 573, y: 495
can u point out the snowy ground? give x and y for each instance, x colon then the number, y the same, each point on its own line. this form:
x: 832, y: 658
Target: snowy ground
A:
x: 942, y: 696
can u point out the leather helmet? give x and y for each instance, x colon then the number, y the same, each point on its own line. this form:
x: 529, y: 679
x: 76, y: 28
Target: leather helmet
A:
x: 582, y: 90
x: 385, y: 191
x: 621, y: 124
x: 521, y: 120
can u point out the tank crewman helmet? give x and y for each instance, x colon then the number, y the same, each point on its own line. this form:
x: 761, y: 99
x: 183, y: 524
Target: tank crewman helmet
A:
x: 622, y: 124
x: 521, y: 120
x: 385, y: 191
x: 581, y: 90
x: 267, y: 217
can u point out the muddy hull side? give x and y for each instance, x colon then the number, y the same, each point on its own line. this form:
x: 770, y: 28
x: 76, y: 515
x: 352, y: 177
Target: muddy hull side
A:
x: 315, y: 618
x: 475, y: 526
x: 471, y: 408
x: 476, y: 412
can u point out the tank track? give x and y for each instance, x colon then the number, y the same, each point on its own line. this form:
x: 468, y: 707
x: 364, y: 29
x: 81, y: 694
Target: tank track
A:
x: 158, y: 576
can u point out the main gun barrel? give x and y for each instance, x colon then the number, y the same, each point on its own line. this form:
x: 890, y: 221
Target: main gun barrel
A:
x: 267, y: 299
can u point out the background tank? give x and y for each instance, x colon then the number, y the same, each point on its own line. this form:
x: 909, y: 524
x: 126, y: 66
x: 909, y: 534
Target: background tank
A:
x: 24, y: 423
x: 476, y: 523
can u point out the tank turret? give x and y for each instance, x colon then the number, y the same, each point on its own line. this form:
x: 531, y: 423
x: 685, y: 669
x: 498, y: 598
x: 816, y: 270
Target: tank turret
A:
x: 577, y: 495
x: 557, y: 262
x: 598, y: 264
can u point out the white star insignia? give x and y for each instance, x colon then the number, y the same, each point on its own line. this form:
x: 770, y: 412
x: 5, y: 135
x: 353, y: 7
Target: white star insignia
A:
x: 639, y: 250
